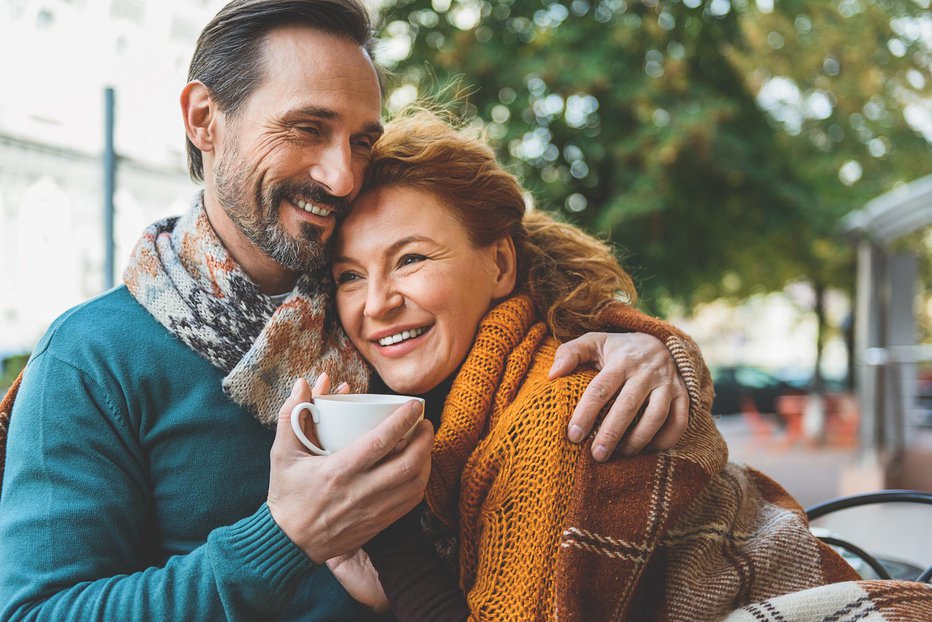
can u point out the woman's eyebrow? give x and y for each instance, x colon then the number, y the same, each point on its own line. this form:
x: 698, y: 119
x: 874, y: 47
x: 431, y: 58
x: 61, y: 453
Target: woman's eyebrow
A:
x: 393, y: 248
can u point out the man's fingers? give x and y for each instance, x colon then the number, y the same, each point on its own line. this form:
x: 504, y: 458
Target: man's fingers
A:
x: 381, y: 441
x: 617, y: 420
x: 285, y: 439
x: 655, y: 414
x: 321, y: 385
x: 601, y: 390
x: 572, y: 354
x: 672, y: 431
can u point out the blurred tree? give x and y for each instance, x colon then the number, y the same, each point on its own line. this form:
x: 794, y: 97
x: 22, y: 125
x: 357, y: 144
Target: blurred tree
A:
x: 630, y: 119
x: 718, y: 141
x: 842, y: 80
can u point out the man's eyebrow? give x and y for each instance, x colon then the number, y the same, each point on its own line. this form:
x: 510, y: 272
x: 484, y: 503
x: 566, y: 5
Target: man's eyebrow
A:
x: 373, y: 127
x: 394, y: 248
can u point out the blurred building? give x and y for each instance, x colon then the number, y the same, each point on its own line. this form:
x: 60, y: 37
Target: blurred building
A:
x: 59, y: 55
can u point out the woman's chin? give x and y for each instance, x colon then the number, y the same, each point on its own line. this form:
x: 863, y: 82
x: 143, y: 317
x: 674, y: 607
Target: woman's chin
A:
x: 407, y: 384
x: 408, y: 387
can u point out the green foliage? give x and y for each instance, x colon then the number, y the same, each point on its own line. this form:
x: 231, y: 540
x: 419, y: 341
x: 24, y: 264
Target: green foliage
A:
x: 9, y: 370
x: 639, y: 119
x: 856, y: 66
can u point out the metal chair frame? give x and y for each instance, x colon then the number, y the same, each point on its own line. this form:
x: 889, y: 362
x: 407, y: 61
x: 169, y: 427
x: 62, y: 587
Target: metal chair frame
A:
x: 884, y: 496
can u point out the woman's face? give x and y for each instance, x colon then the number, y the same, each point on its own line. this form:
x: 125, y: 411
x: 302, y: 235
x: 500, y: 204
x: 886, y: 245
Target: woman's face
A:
x: 412, y: 288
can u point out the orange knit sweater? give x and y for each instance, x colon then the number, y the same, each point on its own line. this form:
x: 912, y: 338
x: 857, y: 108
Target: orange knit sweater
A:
x: 545, y: 532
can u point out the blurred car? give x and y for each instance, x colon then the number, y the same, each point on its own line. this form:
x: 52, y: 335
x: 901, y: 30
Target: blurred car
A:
x: 735, y: 385
x: 924, y: 397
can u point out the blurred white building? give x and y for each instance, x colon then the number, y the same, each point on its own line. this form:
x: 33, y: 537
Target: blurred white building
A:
x: 59, y: 55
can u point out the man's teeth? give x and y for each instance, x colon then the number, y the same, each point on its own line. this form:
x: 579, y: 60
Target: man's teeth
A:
x: 399, y: 337
x: 310, y: 207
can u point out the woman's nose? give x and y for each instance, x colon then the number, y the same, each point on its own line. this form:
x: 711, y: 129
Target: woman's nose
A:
x: 382, y: 299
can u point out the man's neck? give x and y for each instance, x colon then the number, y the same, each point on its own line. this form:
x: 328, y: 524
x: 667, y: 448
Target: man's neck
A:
x: 269, y: 275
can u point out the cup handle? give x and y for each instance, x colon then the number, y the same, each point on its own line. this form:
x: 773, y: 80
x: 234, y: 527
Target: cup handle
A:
x: 299, y: 431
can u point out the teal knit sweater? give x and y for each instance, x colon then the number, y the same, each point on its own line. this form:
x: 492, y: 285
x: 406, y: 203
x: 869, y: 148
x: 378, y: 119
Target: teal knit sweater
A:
x: 135, y: 489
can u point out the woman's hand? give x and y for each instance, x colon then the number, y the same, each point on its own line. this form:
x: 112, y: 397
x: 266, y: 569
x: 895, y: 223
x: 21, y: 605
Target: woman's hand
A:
x: 639, y: 372
x: 359, y: 578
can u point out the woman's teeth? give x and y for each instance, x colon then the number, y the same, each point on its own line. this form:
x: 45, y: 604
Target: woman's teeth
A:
x: 310, y: 207
x: 402, y: 336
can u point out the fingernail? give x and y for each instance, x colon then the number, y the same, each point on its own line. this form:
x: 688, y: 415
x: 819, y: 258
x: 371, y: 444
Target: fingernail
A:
x: 600, y: 453
x: 575, y: 433
x: 342, y: 386
x: 628, y: 450
x: 296, y: 388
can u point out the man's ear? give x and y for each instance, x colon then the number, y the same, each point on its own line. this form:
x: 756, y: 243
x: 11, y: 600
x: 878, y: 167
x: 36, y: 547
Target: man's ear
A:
x: 200, y: 115
x: 506, y: 263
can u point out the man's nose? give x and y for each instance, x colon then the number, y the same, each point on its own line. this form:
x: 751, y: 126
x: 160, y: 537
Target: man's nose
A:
x: 334, y: 170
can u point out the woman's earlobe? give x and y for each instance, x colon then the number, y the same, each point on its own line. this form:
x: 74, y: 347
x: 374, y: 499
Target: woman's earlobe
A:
x: 198, y: 112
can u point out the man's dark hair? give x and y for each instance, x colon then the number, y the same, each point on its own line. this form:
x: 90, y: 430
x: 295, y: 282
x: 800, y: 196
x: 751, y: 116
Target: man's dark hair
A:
x: 230, y: 52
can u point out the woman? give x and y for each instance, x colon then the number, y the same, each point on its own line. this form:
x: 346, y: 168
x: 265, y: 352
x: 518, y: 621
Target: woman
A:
x: 450, y: 290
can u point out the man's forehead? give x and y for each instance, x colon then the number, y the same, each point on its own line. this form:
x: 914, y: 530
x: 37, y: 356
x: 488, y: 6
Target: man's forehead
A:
x: 312, y: 64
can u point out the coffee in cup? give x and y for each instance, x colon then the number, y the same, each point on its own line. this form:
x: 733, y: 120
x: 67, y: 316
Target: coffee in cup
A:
x: 341, y: 418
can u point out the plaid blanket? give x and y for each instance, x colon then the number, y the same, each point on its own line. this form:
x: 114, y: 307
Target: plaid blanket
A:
x: 871, y: 601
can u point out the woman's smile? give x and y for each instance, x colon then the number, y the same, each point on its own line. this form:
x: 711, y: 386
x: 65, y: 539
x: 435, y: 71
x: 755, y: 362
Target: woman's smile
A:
x: 400, y: 342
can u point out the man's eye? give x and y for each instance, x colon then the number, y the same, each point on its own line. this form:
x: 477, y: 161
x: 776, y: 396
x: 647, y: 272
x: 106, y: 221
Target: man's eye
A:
x: 309, y: 129
x: 408, y: 260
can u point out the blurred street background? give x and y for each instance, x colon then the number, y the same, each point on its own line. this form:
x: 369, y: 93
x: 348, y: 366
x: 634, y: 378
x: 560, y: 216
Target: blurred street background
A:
x: 762, y: 167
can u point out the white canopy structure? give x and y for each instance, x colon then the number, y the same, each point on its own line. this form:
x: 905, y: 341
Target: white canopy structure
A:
x: 887, y: 352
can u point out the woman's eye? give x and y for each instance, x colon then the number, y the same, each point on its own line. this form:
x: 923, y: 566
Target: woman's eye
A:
x: 408, y: 260
x: 347, y: 277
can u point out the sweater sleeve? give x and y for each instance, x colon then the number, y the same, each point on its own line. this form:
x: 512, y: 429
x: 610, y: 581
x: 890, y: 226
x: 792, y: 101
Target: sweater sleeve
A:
x: 75, y: 524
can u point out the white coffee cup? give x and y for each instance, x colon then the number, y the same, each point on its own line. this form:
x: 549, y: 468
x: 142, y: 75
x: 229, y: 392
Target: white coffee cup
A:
x: 341, y: 418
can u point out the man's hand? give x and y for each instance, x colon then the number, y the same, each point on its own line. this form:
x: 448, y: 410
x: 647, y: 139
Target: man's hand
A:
x: 360, y: 580
x: 639, y: 372
x: 331, y: 505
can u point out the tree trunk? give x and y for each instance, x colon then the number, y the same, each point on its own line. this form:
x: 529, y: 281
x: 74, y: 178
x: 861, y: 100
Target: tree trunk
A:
x: 818, y: 383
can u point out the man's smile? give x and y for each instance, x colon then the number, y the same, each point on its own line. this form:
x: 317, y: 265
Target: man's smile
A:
x: 311, y: 207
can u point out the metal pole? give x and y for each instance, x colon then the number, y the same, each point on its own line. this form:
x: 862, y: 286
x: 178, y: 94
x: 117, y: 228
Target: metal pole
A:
x: 865, y: 336
x: 109, y: 186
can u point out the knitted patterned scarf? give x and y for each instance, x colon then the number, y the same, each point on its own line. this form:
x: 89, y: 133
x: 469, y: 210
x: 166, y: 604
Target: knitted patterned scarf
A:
x: 181, y: 273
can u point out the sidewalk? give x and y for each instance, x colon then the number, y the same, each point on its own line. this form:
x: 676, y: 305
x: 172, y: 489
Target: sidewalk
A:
x: 811, y: 474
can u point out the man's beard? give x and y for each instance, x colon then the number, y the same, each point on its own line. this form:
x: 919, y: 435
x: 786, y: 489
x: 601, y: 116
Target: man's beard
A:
x: 261, y: 223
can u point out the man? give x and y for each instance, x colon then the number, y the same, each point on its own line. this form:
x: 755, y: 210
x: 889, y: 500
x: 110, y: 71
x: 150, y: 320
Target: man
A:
x: 137, y: 483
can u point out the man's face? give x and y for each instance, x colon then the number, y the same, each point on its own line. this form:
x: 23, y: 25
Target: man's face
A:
x: 293, y: 157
